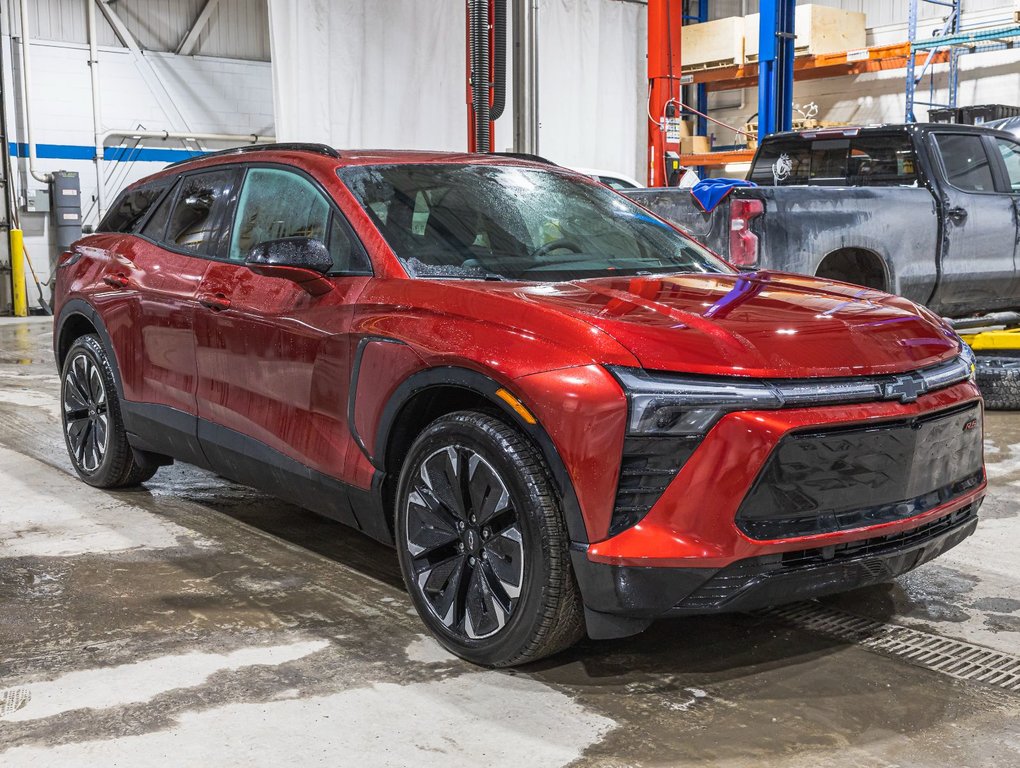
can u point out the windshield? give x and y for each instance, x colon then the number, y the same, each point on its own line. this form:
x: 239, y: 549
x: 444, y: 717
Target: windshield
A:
x: 512, y: 223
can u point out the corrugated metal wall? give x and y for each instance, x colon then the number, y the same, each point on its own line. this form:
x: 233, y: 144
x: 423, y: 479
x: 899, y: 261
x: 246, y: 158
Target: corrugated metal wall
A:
x: 879, y: 12
x: 237, y: 29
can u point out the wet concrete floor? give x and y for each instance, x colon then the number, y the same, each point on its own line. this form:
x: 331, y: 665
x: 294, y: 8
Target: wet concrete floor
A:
x: 198, y: 622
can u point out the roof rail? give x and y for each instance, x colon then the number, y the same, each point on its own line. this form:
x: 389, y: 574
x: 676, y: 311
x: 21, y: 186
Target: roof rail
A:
x: 297, y: 146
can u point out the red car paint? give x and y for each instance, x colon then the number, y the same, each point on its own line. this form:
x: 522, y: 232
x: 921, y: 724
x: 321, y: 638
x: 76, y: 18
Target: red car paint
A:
x: 265, y: 358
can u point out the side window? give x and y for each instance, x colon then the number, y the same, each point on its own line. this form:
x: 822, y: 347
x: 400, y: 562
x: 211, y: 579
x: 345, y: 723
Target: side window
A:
x: 131, y: 207
x: 348, y: 255
x: 882, y: 161
x: 1011, y: 157
x: 199, y: 202
x: 155, y: 227
x: 965, y: 161
x: 275, y: 204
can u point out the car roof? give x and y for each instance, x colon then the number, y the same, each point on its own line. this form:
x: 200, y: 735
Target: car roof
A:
x: 360, y: 156
x: 308, y: 155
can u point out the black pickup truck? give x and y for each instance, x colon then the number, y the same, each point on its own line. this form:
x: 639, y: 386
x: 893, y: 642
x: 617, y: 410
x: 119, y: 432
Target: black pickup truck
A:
x: 928, y: 211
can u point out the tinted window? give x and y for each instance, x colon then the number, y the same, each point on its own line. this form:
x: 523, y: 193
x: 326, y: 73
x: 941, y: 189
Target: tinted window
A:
x: 155, y: 227
x: 871, y: 160
x: 131, y: 207
x: 500, y: 221
x: 275, y: 204
x: 1011, y: 156
x: 966, y: 162
x: 348, y: 255
x: 199, y: 202
x: 615, y: 183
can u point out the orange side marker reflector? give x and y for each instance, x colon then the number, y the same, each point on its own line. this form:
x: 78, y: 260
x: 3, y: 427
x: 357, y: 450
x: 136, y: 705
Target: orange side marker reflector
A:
x: 517, y: 405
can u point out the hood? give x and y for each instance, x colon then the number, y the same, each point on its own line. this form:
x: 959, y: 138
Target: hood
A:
x: 760, y: 324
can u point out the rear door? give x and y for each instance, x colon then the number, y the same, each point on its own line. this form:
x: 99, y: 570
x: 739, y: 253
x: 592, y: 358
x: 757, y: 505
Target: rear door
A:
x: 979, y: 217
x: 273, y: 359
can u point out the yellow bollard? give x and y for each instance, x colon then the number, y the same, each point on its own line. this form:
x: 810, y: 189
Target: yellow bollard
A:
x: 18, y: 293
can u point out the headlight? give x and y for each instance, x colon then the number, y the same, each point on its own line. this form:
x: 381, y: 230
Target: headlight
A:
x: 687, y: 406
x: 969, y: 359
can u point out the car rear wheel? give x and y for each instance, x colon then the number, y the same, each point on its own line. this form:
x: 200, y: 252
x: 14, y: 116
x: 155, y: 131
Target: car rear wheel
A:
x: 93, y: 429
x: 482, y: 543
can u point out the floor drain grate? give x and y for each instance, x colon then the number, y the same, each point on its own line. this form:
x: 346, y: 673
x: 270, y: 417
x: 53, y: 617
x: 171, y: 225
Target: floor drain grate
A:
x: 955, y: 658
x: 12, y: 700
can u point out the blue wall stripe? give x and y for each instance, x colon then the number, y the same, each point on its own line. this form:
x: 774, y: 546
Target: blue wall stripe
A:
x: 115, y: 154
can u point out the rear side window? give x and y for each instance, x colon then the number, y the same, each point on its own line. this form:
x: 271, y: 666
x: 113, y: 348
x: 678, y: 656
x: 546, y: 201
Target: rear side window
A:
x: 966, y: 162
x: 1010, y: 152
x: 155, y: 227
x: 132, y: 207
x: 870, y: 160
x: 193, y: 223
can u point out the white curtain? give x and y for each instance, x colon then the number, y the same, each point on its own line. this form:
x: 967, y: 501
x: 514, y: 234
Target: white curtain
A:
x: 391, y: 74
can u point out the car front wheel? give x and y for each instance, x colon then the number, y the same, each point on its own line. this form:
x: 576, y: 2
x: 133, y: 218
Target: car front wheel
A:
x: 482, y: 544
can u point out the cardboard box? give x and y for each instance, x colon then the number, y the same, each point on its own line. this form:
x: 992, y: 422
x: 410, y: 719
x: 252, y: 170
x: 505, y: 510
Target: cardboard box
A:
x: 819, y: 29
x: 695, y: 145
x: 718, y: 43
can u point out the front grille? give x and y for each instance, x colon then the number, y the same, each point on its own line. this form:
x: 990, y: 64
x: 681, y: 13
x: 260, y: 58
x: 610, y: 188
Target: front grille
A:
x: 838, y: 479
x: 649, y: 465
x: 796, y: 575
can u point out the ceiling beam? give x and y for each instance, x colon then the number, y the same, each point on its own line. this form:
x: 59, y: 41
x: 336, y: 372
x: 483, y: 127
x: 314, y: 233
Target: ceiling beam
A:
x: 145, y: 68
x: 191, y: 39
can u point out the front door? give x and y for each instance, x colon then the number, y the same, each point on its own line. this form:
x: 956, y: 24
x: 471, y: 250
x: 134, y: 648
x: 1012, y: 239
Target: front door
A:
x: 1009, y: 151
x: 273, y: 359
x: 977, y: 264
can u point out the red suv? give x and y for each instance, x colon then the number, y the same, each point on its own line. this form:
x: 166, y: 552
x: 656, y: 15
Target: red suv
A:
x: 564, y: 413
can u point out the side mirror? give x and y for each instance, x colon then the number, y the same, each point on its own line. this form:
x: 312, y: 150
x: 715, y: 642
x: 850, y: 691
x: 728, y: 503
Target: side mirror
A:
x: 302, y: 260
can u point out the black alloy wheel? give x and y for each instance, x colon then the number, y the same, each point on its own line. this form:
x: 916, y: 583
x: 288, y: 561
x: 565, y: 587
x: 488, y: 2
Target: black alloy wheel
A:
x: 97, y: 443
x: 482, y: 544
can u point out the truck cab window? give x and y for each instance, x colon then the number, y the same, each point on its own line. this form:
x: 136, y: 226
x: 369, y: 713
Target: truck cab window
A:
x: 1010, y: 151
x: 966, y: 162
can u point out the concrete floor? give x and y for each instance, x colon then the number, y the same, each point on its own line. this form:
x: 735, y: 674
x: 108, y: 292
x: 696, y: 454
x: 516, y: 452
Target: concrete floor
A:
x: 194, y: 621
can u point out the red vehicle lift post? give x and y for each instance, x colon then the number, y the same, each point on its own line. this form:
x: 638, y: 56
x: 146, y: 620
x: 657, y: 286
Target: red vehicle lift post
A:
x: 665, y: 18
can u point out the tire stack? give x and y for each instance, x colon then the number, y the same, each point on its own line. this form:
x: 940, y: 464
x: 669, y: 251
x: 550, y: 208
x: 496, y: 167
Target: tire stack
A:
x: 998, y: 378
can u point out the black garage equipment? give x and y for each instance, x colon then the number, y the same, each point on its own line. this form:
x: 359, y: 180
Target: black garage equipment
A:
x: 65, y: 208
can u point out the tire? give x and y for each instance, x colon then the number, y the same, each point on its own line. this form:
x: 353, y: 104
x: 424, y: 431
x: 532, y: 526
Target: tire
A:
x: 998, y: 378
x: 491, y: 580
x: 90, y: 413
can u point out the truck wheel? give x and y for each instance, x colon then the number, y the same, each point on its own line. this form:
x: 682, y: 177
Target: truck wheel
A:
x: 998, y: 378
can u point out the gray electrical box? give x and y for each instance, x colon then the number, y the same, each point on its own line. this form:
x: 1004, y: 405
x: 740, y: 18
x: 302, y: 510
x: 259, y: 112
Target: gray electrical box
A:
x: 66, y: 207
x: 37, y: 201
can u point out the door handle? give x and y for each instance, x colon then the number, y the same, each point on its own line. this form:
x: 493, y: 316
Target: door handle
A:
x: 216, y: 302
x: 116, y: 281
x: 957, y: 215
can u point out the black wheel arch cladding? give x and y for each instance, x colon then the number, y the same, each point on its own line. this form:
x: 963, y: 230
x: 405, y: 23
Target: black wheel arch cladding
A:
x: 477, y: 384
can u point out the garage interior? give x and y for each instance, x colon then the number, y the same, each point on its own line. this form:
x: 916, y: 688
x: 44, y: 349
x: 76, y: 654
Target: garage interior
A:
x: 194, y: 620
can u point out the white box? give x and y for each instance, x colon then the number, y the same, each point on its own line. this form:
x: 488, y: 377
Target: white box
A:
x: 718, y: 43
x: 819, y: 29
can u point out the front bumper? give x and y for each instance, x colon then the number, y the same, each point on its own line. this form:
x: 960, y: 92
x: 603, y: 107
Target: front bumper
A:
x: 694, y: 553
x: 766, y: 580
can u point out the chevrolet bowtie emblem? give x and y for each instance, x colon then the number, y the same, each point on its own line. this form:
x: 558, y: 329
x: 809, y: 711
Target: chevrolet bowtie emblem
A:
x: 906, y: 389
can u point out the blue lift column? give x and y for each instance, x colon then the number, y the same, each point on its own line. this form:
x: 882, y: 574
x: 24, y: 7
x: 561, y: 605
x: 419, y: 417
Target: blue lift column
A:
x: 701, y: 90
x: 775, y: 67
